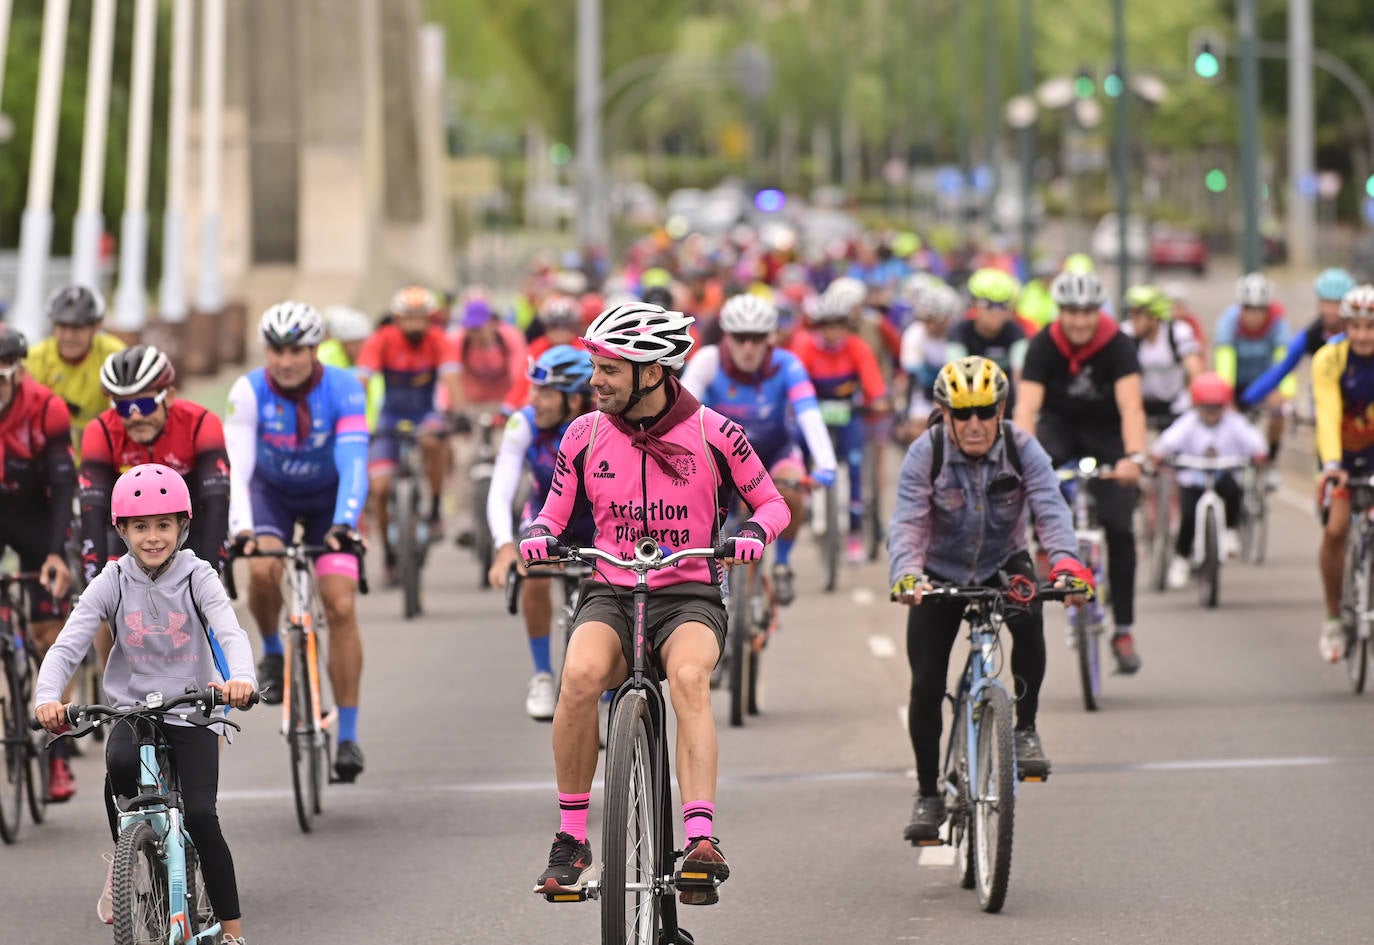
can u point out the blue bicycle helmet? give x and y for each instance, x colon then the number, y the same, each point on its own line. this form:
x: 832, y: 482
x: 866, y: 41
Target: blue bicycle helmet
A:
x: 1333, y: 284
x: 564, y: 368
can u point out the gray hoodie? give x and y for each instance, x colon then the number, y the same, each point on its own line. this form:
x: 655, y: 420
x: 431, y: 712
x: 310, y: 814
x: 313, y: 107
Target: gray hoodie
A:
x: 160, y: 644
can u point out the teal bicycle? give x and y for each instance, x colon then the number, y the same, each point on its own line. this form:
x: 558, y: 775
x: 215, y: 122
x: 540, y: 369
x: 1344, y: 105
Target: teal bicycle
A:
x: 980, y: 770
x: 159, y: 893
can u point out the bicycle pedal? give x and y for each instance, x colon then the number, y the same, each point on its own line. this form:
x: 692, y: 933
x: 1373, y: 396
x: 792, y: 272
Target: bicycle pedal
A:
x: 1033, y: 778
x: 936, y: 842
x: 588, y: 891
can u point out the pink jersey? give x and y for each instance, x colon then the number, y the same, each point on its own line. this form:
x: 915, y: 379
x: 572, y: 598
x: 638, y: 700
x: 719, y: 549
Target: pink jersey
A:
x: 598, y: 464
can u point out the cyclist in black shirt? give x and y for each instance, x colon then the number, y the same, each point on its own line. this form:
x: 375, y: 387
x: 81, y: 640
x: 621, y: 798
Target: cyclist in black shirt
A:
x: 1080, y: 396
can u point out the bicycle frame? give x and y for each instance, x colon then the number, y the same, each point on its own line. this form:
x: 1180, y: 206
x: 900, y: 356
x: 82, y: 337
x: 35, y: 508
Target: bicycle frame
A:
x: 984, y: 626
x: 301, y: 629
x: 1091, y: 538
x: 1210, y: 502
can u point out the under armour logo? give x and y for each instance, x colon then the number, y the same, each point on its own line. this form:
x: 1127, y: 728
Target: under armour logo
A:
x: 173, y: 629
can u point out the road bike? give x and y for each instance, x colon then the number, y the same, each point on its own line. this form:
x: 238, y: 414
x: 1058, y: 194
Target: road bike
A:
x: 1087, y: 621
x: 25, y: 769
x: 1254, y: 514
x: 827, y: 520
x: 980, y: 769
x: 159, y: 891
x: 407, y: 517
x: 1209, y: 521
x: 1157, y: 524
x: 570, y: 577
x: 483, y: 465
x: 753, y: 616
x: 1357, y: 608
x: 638, y: 881
x: 306, y: 723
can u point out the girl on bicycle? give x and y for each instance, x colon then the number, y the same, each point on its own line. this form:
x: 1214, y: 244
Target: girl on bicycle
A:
x: 1211, y: 428
x: 173, y: 627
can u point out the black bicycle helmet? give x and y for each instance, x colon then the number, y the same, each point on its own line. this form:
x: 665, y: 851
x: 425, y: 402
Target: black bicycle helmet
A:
x: 13, y: 344
x: 75, y: 305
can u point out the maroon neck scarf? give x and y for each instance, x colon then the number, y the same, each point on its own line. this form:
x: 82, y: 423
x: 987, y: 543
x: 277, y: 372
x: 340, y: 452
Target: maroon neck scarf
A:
x: 681, y: 405
x: 731, y: 370
x: 300, y: 396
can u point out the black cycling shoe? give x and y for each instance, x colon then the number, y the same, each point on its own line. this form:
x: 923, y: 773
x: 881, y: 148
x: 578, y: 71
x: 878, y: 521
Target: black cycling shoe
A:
x: 703, y: 869
x: 348, y: 763
x: 1031, y: 763
x: 782, y: 584
x: 270, y: 669
x: 927, y: 816
x: 571, y: 867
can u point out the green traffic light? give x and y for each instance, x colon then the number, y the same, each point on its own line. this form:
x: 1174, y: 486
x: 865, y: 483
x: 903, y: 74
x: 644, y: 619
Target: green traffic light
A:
x: 1083, y: 87
x: 1215, y: 180
x: 1206, y: 65
x: 1369, y: 185
x: 1112, y: 85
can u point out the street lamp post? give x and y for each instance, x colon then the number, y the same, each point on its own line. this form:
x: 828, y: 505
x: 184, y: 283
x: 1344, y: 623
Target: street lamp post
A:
x: 1123, y: 152
x: 1246, y: 33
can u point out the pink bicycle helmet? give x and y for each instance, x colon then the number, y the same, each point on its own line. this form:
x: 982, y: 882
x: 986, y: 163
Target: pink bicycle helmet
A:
x: 149, y: 489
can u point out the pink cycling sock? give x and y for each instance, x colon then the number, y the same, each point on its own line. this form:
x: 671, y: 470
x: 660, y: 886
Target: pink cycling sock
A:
x: 572, y: 809
x: 697, y: 818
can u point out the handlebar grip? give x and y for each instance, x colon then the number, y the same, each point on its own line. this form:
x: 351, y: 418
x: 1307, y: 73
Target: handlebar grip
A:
x: 726, y: 549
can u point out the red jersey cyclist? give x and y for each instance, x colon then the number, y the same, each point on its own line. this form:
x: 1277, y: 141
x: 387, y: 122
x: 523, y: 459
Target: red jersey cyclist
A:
x: 650, y: 460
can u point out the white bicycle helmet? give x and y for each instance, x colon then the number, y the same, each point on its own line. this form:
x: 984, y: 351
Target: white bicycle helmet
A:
x: 940, y: 303
x: 291, y: 324
x: 1254, y: 291
x: 1077, y: 290
x: 1358, y: 302
x: 747, y: 314
x: 347, y: 324
x: 559, y: 311
x: 839, y: 300
x: 134, y: 370
x: 917, y: 287
x: 641, y: 333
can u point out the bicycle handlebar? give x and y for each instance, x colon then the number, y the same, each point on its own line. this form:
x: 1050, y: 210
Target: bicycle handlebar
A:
x: 979, y: 592
x: 1085, y: 468
x: 648, y: 555
x: 294, y: 552
x: 1209, y: 463
x: 84, y: 718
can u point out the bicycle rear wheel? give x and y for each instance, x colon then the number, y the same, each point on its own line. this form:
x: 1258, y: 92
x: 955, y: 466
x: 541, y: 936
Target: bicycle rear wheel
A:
x: 739, y: 640
x: 142, y: 913
x: 961, y: 812
x: 301, y: 736
x: 408, y: 545
x: 831, y: 541
x: 1256, y: 519
x: 630, y: 865
x: 1160, y: 551
x: 483, y: 546
x: 994, y: 800
x: 873, y: 505
x: 1209, y: 572
x: 13, y: 725
x: 35, y: 759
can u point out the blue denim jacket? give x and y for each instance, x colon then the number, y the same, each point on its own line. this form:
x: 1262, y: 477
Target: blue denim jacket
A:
x: 967, y: 523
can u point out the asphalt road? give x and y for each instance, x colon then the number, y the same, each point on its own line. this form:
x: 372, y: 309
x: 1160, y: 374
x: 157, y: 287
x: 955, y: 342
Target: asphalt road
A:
x: 1220, y: 796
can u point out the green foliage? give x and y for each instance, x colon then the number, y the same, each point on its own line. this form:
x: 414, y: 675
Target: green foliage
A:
x: 20, y: 94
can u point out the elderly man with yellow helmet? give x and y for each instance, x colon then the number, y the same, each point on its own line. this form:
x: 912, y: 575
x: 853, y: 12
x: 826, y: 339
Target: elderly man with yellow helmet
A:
x: 966, y: 488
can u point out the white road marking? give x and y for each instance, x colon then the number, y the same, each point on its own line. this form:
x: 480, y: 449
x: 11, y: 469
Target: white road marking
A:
x: 904, y: 713
x: 863, y: 596
x: 1223, y: 764
x: 881, y: 646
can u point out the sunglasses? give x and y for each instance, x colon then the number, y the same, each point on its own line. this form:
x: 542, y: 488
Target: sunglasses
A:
x: 986, y: 412
x: 7, y: 371
x: 750, y: 338
x: 144, y: 405
x: 1001, y: 306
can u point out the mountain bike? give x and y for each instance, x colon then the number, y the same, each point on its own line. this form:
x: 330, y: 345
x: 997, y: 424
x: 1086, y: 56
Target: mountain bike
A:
x: 637, y: 882
x: 980, y: 770
x: 1087, y: 621
x: 1209, y: 521
x: 407, y: 521
x: 305, y: 722
x: 25, y: 768
x: 159, y: 892
x: 1357, y: 608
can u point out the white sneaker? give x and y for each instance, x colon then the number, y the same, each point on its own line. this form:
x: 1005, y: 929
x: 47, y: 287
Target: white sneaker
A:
x: 1230, y: 543
x: 104, y: 906
x: 1332, y: 640
x: 1179, y: 573
x: 541, y: 698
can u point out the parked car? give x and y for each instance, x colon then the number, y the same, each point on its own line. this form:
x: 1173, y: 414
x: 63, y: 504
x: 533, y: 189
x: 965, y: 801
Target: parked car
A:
x: 1106, y: 240
x: 1177, y: 248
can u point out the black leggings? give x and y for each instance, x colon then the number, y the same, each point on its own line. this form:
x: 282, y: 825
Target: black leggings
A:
x: 195, y: 758
x: 1227, y: 488
x: 931, y: 629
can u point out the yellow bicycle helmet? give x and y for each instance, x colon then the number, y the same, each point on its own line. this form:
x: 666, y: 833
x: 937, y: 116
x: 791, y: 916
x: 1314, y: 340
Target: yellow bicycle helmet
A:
x: 994, y: 285
x: 970, y: 382
x: 1151, y: 299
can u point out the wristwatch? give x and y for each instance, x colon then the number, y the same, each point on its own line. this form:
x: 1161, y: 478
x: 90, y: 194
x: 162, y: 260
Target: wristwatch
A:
x: 1137, y: 458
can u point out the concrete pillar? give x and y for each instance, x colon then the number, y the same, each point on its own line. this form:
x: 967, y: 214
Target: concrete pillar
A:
x: 90, y: 222
x: 204, y: 325
x: 131, y: 305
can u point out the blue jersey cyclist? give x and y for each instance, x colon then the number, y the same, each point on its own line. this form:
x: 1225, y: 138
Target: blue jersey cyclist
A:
x: 766, y: 391
x: 296, y: 433
x: 1251, y: 336
x: 560, y: 392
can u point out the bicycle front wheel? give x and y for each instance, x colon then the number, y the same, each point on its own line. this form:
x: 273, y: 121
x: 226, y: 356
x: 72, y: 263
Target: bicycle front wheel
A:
x: 1085, y: 644
x: 1257, y: 516
x: 14, y: 726
x: 300, y: 735
x: 1209, y: 572
x: 1159, y: 535
x: 1357, y: 648
x: 739, y: 640
x: 960, y: 813
x: 830, y: 548
x: 873, y: 506
x: 408, y: 545
x: 142, y: 913
x: 630, y: 867
x: 994, y: 800
x: 483, y: 545
x: 198, y: 908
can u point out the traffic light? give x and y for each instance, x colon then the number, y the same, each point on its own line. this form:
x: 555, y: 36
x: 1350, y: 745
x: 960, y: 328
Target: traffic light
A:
x: 1084, y: 85
x: 1112, y: 85
x: 1207, y: 55
x: 1216, y: 180
x: 1369, y: 185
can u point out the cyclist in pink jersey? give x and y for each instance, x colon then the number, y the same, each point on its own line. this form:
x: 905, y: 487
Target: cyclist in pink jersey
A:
x: 650, y: 460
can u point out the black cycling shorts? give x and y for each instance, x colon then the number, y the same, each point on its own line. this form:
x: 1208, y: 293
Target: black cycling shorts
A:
x: 24, y: 528
x: 669, y: 608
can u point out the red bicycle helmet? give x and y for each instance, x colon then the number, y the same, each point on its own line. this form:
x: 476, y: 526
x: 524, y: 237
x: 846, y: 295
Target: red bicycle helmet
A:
x: 1210, y: 390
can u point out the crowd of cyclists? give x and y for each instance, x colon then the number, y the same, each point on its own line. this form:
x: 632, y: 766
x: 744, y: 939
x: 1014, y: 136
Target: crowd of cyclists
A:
x: 638, y: 402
